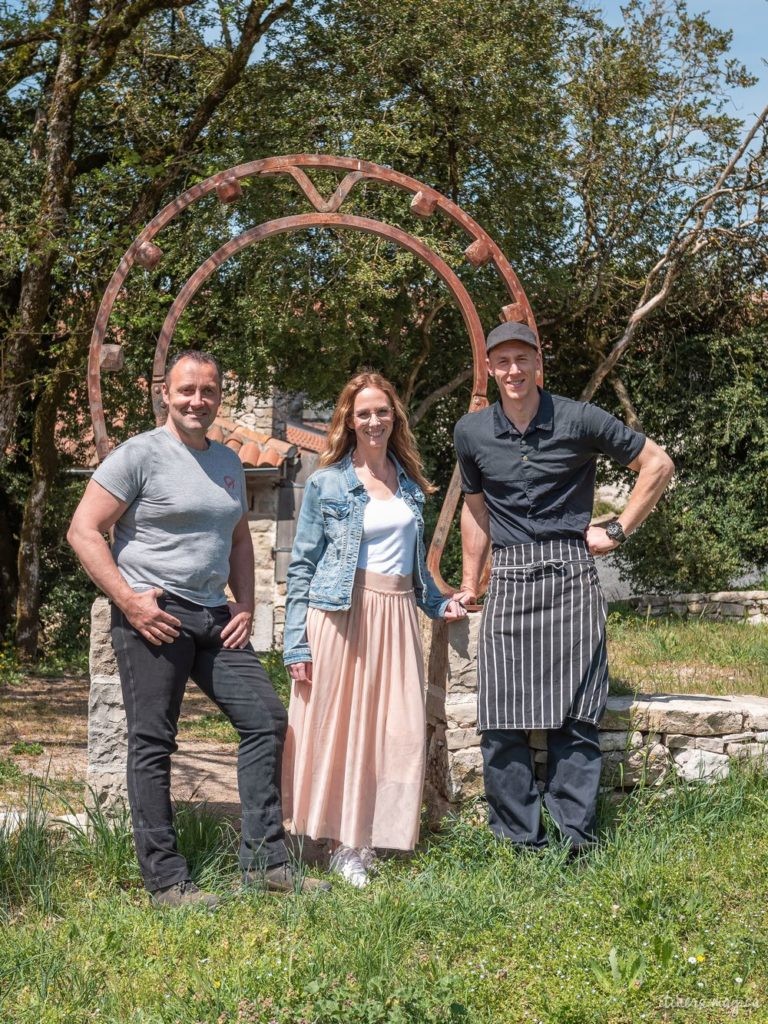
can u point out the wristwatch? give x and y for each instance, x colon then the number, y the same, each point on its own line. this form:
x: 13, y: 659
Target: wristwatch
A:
x: 615, y: 531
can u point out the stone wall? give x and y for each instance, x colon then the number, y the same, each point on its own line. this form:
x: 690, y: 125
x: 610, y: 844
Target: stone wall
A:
x: 643, y: 739
x: 267, y: 415
x: 748, y: 605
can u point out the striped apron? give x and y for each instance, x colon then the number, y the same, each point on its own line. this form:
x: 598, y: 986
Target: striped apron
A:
x: 541, y: 652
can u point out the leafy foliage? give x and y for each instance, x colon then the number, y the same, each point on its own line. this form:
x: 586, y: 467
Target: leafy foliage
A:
x: 712, y: 527
x: 580, y: 148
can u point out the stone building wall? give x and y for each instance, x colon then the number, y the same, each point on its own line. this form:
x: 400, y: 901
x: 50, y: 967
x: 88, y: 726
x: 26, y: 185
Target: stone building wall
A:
x: 272, y: 511
x: 267, y: 415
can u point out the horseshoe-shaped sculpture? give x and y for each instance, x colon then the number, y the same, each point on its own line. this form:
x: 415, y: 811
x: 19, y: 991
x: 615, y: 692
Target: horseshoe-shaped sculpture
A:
x: 426, y: 202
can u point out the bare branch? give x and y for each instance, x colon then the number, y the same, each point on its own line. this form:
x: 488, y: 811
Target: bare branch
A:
x: 421, y: 358
x: 423, y: 407
x: 630, y: 413
x: 687, y: 241
x: 226, y: 35
x: 114, y: 29
x: 23, y: 60
x: 254, y: 27
x: 41, y: 36
x: 44, y: 30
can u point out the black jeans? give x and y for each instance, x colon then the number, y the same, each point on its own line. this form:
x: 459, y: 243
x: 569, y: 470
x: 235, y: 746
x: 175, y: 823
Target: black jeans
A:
x: 570, y: 792
x: 153, y: 682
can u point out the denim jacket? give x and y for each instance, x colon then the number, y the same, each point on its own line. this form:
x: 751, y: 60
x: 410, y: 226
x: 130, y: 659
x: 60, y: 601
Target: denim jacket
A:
x: 326, y: 549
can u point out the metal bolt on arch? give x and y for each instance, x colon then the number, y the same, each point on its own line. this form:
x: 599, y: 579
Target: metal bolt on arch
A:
x: 426, y: 202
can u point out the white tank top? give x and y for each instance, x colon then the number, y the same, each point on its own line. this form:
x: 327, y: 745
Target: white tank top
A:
x: 388, y: 544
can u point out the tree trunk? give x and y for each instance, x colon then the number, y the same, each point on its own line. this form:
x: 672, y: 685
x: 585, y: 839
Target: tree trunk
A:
x: 45, y: 463
x: 50, y: 224
x: 8, y: 579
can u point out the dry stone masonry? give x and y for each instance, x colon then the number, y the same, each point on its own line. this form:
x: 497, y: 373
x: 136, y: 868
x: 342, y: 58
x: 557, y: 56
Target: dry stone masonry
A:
x: 751, y: 606
x: 107, y: 732
x: 644, y: 739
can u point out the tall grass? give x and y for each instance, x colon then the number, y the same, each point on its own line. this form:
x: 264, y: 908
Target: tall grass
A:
x: 28, y: 856
x: 692, y: 655
x: 670, y: 908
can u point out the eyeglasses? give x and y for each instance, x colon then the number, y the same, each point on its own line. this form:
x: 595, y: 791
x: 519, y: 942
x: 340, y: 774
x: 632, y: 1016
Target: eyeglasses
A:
x: 385, y: 413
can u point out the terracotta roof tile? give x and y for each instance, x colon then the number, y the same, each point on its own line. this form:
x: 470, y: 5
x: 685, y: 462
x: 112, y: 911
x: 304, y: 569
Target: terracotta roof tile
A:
x: 310, y: 440
x: 284, y: 448
x: 246, y: 434
x: 253, y: 448
x: 227, y: 425
x: 269, y: 457
x: 250, y: 453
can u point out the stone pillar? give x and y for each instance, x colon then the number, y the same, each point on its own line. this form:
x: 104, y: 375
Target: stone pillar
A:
x: 454, y: 762
x: 262, y: 522
x: 107, y: 732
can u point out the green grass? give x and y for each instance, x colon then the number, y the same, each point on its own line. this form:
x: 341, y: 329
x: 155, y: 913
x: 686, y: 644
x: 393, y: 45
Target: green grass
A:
x: 673, y: 655
x: 671, y: 908
x: 9, y: 771
x: 214, y: 726
x: 55, y: 795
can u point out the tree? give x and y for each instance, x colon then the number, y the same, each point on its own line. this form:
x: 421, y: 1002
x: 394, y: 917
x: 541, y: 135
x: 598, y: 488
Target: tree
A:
x: 712, y: 527
x: 587, y: 152
x: 648, y: 136
x: 74, y: 81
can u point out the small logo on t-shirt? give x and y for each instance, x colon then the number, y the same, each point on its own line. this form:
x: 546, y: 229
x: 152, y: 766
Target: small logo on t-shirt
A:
x: 229, y: 483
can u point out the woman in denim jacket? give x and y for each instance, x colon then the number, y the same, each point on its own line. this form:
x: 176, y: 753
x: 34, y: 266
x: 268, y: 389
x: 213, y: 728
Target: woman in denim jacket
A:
x: 353, y: 767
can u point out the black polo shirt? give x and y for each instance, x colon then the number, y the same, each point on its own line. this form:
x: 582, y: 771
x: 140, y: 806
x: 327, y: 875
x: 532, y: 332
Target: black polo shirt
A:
x: 540, y: 485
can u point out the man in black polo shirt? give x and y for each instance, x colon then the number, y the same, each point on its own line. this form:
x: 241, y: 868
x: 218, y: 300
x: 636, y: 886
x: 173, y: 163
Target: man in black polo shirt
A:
x: 528, y: 474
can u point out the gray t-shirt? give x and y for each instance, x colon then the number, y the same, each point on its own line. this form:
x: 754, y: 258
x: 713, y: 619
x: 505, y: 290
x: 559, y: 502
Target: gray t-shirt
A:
x: 183, y: 505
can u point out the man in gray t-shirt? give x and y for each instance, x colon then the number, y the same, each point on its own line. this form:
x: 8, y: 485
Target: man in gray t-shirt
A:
x: 178, y: 506
x: 183, y: 506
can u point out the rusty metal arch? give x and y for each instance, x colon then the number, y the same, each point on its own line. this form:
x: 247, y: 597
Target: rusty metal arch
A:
x: 426, y: 201
x: 307, y: 221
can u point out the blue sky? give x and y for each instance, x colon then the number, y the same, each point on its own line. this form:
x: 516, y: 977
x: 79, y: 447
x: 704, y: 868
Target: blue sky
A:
x: 748, y: 20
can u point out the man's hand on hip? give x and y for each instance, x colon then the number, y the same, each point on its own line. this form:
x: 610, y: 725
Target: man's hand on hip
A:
x: 237, y: 632
x: 598, y: 541
x: 144, y: 614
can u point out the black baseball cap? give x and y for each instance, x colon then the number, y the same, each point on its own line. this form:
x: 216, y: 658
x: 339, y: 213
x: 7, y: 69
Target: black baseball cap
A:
x: 511, y: 331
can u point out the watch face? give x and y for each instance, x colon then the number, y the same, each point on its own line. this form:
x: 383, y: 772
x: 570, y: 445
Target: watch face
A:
x: 615, y: 531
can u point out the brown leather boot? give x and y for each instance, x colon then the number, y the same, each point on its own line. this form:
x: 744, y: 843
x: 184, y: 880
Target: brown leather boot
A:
x: 184, y: 894
x: 284, y: 878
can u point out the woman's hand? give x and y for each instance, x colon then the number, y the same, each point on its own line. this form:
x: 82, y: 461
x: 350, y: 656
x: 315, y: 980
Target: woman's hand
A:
x: 454, y: 610
x: 301, y: 671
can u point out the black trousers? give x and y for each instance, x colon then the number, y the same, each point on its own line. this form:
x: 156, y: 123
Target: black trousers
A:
x: 570, y: 792
x: 153, y: 683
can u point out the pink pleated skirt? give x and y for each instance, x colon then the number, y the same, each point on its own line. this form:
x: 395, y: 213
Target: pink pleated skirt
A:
x: 353, y: 766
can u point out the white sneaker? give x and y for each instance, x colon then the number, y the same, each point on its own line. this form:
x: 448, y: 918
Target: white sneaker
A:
x: 345, y: 861
x: 369, y: 859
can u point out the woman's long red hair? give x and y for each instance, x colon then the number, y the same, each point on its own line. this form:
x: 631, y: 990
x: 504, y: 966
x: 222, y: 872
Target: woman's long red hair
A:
x: 402, y: 443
